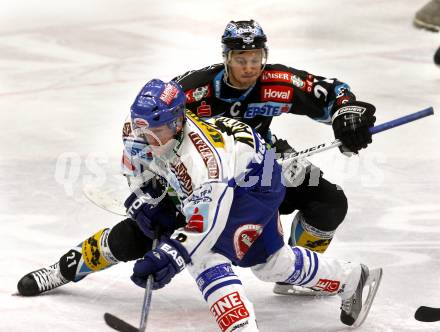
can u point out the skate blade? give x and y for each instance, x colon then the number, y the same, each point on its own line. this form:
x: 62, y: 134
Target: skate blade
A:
x: 298, y: 291
x: 426, y: 26
x: 373, y: 282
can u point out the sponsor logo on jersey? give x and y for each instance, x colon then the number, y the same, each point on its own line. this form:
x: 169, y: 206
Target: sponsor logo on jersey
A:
x: 266, y: 109
x: 204, y: 110
x: 207, y: 155
x: 297, y: 81
x: 276, y: 76
x: 229, y: 310
x: 327, y: 285
x: 183, y: 177
x: 168, y: 94
x: 244, y: 237
x: 276, y: 93
x: 198, y: 94
x: 196, y: 222
x: 213, y: 135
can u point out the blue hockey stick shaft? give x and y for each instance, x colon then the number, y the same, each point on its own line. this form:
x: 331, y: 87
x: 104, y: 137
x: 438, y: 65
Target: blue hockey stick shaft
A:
x: 373, y: 130
x: 402, y: 120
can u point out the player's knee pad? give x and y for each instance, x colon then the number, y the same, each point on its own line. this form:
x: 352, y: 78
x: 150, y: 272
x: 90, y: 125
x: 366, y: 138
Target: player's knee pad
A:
x: 305, y: 235
x: 336, y: 210
x: 89, y: 256
x: 127, y: 242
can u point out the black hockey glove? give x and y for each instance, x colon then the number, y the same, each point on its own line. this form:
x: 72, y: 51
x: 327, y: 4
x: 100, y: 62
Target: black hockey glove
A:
x: 351, y: 122
x: 294, y: 170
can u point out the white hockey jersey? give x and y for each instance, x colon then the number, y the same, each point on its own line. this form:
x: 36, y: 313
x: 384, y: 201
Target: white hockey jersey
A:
x: 203, y: 170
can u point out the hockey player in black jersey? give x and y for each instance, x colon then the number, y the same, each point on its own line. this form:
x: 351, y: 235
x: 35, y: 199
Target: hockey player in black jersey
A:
x: 244, y: 87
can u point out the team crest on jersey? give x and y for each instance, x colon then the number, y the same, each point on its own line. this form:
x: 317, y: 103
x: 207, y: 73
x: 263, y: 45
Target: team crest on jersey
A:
x: 197, y: 94
x: 298, y: 82
x: 244, y: 237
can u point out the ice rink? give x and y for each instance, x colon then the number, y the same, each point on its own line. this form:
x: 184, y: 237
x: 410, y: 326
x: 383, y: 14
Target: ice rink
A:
x: 69, y: 71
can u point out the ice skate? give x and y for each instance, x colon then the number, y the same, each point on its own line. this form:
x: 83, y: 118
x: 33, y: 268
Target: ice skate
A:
x: 437, y: 57
x: 354, y: 310
x: 40, y: 281
x: 428, y: 17
x: 283, y: 288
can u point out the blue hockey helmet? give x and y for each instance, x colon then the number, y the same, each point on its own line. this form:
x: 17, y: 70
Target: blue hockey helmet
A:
x: 243, y: 35
x: 158, y: 103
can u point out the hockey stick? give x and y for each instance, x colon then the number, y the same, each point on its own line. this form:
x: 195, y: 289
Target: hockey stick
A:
x: 427, y: 314
x: 120, y: 325
x: 105, y: 201
x: 373, y: 130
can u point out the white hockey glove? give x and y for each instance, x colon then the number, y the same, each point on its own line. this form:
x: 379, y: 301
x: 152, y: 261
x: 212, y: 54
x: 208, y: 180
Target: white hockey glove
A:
x: 294, y: 171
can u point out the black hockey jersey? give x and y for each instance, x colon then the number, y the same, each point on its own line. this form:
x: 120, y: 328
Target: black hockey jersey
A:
x: 279, y: 89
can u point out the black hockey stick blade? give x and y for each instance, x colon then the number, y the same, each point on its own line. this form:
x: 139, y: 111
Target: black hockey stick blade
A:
x: 118, y: 324
x: 427, y: 314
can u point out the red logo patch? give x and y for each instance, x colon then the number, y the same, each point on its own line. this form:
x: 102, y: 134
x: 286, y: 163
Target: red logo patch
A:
x: 278, y: 93
x: 244, y: 237
x: 228, y: 310
x: 196, y: 222
x: 326, y: 285
x: 204, y: 110
x: 276, y: 76
x: 168, y: 94
x: 198, y: 94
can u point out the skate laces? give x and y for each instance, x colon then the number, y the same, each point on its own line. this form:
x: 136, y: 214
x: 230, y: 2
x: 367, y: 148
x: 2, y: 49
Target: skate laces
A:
x: 49, y: 278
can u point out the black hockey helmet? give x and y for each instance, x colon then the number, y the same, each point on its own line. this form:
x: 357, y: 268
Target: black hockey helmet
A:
x: 243, y: 35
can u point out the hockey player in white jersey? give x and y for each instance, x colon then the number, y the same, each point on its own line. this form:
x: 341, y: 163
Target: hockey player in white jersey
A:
x: 229, y: 187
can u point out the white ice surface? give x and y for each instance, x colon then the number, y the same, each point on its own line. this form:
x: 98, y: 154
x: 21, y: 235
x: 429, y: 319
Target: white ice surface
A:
x: 69, y: 71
